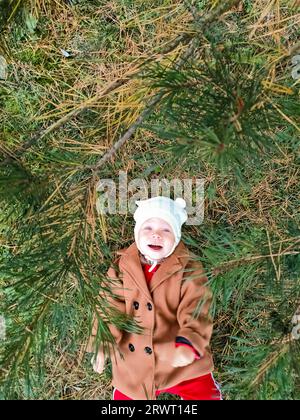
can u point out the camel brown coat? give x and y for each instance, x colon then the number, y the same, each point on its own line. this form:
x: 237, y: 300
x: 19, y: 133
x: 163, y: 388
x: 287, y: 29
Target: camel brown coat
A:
x: 165, y: 311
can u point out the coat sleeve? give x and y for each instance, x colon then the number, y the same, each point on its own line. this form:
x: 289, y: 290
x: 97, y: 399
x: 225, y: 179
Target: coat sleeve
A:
x: 193, y: 310
x: 117, y: 302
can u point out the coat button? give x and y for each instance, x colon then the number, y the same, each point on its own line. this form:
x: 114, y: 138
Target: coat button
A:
x: 136, y: 305
x: 131, y: 347
x: 148, y: 350
x: 149, y: 306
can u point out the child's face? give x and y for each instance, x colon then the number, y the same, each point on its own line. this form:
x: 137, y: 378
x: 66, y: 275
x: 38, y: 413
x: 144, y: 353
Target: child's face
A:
x: 156, y: 238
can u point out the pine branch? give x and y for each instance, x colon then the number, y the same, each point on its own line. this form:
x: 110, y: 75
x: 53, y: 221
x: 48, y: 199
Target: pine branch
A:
x: 147, y: 111
x: 228, y: 265
x: 181, y: 39
x: 217, y: 12
x: 143, y: 116
x: 269, y: 363
x: 151, y: 106
x: 60, y: 228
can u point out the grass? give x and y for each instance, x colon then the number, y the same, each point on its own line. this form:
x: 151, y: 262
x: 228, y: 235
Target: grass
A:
x: 60, y: 58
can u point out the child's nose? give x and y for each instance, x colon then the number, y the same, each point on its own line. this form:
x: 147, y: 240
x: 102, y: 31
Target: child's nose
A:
x: 156, y: 235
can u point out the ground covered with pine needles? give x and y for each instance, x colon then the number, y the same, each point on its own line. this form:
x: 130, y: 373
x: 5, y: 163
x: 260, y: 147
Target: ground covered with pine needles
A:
x: 61, y: 111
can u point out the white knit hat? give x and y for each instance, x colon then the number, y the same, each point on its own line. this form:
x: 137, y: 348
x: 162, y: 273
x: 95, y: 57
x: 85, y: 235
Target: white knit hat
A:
x: 172, y: 212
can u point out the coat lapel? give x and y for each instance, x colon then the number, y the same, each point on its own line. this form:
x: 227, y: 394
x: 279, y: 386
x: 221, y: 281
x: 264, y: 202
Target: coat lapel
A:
x: 130, y: 262
x: 175, y: 262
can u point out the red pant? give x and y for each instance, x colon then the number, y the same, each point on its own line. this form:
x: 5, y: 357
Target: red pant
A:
x: 201, y: 388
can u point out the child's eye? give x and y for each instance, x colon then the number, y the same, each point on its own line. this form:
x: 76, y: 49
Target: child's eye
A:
x: 166, y: 230
x: 147, y: 227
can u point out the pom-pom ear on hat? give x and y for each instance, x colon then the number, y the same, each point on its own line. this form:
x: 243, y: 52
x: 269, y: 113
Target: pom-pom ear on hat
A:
x: 181, y: 202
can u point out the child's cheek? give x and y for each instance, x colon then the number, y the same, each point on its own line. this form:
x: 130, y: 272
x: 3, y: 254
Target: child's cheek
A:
x: 169, y: 242
x: 143, y: 240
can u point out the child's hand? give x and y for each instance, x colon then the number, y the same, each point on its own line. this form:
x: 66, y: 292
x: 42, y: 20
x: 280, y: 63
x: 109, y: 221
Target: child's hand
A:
x: 183, y: 356
x: 98, y: 362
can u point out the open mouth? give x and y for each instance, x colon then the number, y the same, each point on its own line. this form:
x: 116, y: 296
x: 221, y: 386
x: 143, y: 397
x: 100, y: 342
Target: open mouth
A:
x: 155, y: 247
